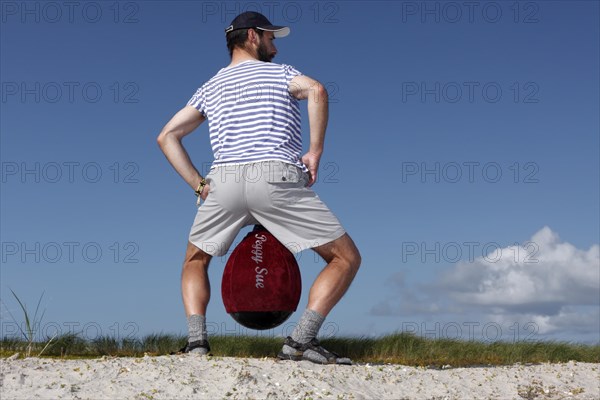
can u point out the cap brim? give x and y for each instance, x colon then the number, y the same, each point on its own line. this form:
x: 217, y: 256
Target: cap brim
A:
x: 278, y: 31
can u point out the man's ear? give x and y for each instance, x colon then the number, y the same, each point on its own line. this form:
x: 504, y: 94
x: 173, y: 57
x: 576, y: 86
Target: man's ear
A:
x: 252, y: 35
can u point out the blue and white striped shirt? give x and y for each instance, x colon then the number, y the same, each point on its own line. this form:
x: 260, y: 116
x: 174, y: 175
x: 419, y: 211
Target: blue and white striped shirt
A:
x: 251, y: 114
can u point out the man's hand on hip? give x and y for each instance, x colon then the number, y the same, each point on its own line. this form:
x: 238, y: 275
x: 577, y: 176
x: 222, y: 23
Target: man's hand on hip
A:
x: 311, y: 160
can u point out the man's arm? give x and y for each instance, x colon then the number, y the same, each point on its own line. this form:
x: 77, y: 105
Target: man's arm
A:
x: 183, y: 123
x: 304, y: 88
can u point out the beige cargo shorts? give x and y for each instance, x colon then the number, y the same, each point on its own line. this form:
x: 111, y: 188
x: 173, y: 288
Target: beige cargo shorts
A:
x: 271, y: 193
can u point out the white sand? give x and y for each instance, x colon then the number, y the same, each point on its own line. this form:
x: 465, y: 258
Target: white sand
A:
x: 201, y: 377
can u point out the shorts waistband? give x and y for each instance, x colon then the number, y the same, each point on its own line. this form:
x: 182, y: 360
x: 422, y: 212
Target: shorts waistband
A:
x: 270, y: 170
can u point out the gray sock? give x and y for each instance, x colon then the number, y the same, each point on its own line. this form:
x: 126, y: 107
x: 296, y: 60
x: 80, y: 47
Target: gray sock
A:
x: 197, y: 327
x: 308, y: 326
x: 305, y: 331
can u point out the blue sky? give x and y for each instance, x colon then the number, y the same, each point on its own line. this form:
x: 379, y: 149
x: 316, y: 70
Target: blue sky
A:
x: 462, y: 155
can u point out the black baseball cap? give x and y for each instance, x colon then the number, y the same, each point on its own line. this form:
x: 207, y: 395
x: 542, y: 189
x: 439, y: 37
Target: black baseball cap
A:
x: 253, y: 19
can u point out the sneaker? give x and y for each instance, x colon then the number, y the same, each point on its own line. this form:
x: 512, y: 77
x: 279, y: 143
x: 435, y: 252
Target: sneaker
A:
x: 311, y: 351
x: 200, y: 347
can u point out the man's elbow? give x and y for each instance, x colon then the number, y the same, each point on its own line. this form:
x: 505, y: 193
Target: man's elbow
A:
x: 320, y: 93
x: 162, y: 138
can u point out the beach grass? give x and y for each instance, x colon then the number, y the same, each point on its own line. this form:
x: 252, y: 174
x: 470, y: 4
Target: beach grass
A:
x: 397, y: 348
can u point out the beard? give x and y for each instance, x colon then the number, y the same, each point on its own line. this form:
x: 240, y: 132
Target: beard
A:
x: 263, y: 54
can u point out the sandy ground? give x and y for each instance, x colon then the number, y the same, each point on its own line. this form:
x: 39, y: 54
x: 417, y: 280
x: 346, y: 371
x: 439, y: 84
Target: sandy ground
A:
x: 201, y: 377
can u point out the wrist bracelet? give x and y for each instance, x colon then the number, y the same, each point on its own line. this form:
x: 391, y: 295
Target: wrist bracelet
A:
x: 200, y: 187
x: 199, y: 190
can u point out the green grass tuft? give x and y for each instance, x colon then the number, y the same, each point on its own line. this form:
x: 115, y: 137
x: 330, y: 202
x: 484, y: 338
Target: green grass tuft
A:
x: 397, y: 348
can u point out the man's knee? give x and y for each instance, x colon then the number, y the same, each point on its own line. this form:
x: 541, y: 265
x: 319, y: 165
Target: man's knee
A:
x: 354, y: 258
x: 342, y: 250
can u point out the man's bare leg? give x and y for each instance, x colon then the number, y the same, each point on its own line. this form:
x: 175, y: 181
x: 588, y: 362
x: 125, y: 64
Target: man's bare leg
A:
x: 195, y: 286
x: 343, y: 261
x: 195, y: 291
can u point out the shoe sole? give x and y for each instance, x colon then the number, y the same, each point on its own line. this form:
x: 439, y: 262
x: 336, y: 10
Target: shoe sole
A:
x: 293, y: 357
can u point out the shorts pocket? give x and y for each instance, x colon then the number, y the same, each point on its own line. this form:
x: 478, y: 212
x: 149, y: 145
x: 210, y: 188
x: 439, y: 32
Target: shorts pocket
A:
x: 282, y: 173
x: 211, y: 183
x: 287, y: 184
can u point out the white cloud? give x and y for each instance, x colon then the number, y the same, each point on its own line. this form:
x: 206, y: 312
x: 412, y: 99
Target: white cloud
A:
x: 546, y: 282
x: 540, y: 277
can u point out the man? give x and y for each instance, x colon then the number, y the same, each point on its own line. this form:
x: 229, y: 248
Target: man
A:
x: 259, y: 176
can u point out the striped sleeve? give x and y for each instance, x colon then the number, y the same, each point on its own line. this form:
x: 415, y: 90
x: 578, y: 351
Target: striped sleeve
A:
x: 198, y: 101
x: 290, y: 72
